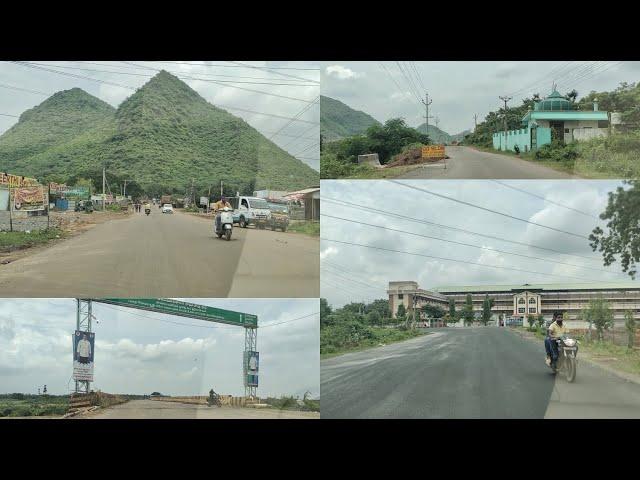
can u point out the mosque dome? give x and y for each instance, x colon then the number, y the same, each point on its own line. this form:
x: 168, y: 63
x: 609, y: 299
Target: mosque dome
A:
x: 554, y: 103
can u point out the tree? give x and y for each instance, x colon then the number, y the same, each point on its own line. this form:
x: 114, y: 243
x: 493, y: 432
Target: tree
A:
x: 487, y: 305
x: 531, y: 320
x: 572, y: 96
x: 373, y: 317
x: 540, y: 320
x: 467, y: 311
x: 402, y: 312
x: 599, y: 314
x: 630, y: 325
x: 433, y: 311
x: 325, y: 312
x: 452, y: 308
x: 623, y: 236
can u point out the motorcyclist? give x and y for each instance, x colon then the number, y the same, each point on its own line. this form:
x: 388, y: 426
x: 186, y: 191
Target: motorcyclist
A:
x: 555, y: 331
x: 147, y: 206
x: 219, y: 205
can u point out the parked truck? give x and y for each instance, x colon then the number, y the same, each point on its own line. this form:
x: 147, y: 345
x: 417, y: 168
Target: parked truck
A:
x: 165, y: 199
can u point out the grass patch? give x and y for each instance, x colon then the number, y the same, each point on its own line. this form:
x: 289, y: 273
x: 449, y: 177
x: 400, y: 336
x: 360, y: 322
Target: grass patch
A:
x: 10, y: 241
x: 22, y: 405
x: 353, y: 337
x: 618, y: 356
x: 307, y: 227
x: 293, y: 403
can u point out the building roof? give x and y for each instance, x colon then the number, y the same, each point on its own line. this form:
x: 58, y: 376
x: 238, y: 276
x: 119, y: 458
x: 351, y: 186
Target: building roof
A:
x: 554, y: 102
x: 539, y: 286
x: 302, y: 192
x: 565, y: 115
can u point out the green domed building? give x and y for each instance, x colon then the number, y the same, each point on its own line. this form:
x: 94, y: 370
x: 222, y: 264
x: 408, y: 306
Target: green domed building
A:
x: 554, y: 117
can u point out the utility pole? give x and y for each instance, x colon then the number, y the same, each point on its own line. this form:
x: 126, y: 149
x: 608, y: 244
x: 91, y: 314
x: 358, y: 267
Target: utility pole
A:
x: 221, y: 188
x: 475, y: 122
x: 426, y: 103
x: 505, y: 99
x: 104, y: 178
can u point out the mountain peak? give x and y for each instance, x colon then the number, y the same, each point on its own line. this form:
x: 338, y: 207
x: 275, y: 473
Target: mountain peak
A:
x: 68, y: 101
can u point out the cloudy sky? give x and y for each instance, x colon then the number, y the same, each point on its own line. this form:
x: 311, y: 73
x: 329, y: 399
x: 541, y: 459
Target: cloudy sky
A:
x: 461, y: 89
x: 356, y: 273
x: 23, y: 87
x: 139, y: 352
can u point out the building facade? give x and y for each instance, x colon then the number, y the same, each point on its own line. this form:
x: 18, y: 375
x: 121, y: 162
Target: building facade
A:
x: 554, y: 117
x: 521, y: 301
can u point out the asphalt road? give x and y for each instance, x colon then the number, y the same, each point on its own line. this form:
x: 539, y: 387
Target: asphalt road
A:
x: 166, y: 255
x: 486, y: 372
x: 157, y: 409
x: 465, y: 162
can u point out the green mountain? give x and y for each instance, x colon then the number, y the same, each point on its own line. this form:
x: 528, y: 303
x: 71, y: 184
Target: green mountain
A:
x: 435, y: 134
x: 458, y: 137
x: 162, y: 137
x: 338, y: 120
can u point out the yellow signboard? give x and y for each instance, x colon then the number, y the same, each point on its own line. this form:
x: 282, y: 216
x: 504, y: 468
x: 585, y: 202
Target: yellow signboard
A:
x: 15, y: 181
x: 433, y: 151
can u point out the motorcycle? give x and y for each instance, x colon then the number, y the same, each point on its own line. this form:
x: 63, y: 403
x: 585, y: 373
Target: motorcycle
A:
x: 214, y: 399
x: 147, y: 211
x: 223, y: 224
x: 567, y: 353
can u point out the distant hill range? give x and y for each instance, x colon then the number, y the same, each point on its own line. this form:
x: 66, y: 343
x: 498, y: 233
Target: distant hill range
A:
x: 338, y: 120
x: 163, y: 136
x: 440, y: 136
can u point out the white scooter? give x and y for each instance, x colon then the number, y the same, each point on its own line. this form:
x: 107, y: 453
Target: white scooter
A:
x: 225, y: 227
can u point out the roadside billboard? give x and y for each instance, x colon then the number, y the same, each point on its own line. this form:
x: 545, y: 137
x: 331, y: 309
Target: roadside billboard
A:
x: 83, y: 352
x: 27, y: 199
x: 14, y: 181
x: 433, y: 151
x: 251, y: 365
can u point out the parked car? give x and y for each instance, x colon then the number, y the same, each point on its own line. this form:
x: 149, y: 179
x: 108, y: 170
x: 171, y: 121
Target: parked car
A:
x: 279, y: 216
x: 167, y: 208
x: 250, y: 210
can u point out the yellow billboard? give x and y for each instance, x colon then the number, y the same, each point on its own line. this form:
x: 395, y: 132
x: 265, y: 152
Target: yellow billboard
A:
x: 433, y: 151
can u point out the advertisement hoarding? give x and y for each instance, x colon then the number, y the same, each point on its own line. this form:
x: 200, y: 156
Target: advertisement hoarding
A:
x: 83, y: 353
x: 251, y: 367
x: 26, y: 199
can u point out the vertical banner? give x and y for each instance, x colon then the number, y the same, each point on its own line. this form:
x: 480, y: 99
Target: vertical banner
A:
x: 252, y: 364
x: 83, y: 351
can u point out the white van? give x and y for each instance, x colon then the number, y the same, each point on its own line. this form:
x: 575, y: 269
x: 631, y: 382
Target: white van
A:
x: 250, y: 210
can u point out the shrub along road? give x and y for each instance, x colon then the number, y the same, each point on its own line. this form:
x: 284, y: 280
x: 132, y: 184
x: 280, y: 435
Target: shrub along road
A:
x: 167, y: 256
x: 478, y: 372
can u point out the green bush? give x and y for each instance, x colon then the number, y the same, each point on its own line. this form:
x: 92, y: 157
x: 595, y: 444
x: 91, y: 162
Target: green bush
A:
x: 332, y: 167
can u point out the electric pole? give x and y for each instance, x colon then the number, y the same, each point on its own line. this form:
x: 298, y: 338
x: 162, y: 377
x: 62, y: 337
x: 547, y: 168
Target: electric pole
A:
x: 505, y: 99
x: 426, y: 103
x: 104, y: 179
x: 475, y: 122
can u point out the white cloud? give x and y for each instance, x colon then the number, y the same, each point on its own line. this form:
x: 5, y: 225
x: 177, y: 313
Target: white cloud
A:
x: 342, y: 73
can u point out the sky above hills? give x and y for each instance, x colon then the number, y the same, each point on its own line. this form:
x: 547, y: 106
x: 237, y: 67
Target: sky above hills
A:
x: 24, y: 87
x: 453, y: 257
x: 461, y: 89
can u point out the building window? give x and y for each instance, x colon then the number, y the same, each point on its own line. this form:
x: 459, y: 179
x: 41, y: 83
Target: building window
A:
x: 400, y: 296
x: 521, y: 300
x: 521, y: 310
x: 566, y: 130
x: 532, y: 300
x: 532, y: 310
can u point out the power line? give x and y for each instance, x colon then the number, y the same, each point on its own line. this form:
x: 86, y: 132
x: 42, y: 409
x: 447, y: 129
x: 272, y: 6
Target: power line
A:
x: 315, y: 142
x: 4, y: 85
x: 469, y: 244
x: 270, y: 70
x: 347, y: 271
x: 236, y: 66
x: 301, y: 112
x: 453, y: 259
x: 545, y: 199
x: 175, y: 73
x: 448, y: 227
x: 9, y: 115
x: 268, y: 115
x: 232, y: 86
x: 489, y: 210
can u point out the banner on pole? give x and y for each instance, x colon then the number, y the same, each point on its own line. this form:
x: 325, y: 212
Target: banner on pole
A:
x: 251, y: 367
x: 83, y: 351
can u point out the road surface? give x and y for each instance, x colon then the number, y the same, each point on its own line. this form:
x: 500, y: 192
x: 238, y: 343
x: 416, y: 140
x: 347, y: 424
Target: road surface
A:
x: 146, y: 409
x: 166, y: 255
x: 485, y: 372
x: 465, y: 162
